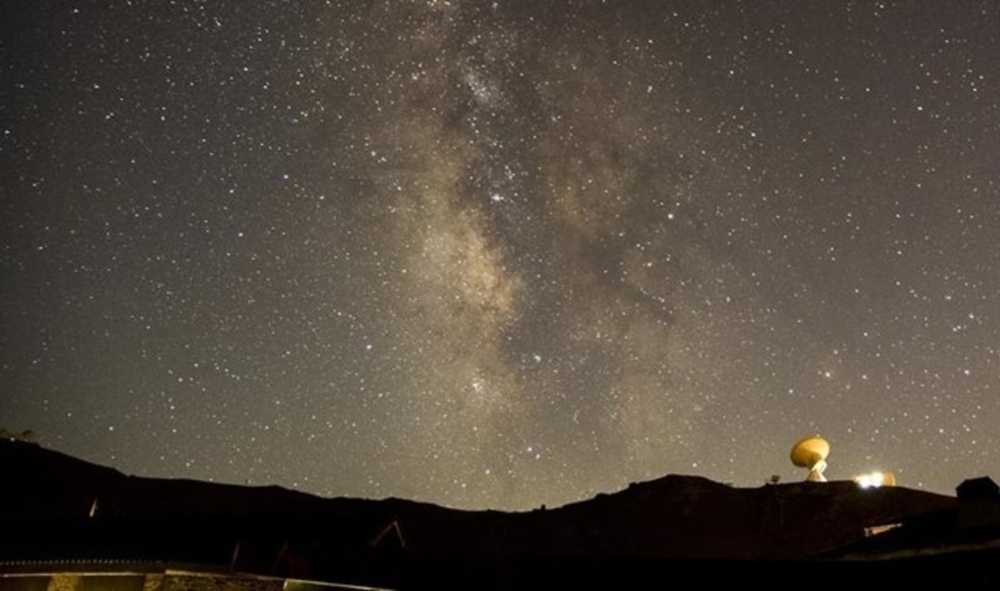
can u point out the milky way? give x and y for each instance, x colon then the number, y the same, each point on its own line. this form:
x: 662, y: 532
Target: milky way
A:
x: 501, y: 254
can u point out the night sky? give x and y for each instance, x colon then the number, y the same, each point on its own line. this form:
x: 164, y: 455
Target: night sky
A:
x: 501, y: 254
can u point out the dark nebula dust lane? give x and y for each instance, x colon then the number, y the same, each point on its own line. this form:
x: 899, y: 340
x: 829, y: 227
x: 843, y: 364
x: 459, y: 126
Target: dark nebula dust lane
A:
x: 500, y: 254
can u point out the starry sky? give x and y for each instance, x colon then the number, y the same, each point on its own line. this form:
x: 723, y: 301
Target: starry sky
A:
x: 500, y: 254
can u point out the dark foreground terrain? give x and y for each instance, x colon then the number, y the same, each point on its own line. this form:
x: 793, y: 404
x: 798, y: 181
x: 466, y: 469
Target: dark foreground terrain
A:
x: 61, y: 516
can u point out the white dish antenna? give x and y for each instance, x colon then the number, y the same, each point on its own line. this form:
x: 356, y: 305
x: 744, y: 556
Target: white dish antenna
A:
x: 811, y: 453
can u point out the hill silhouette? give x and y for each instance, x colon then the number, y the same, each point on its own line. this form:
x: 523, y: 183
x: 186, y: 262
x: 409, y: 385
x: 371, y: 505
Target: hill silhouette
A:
x: 57, y: 507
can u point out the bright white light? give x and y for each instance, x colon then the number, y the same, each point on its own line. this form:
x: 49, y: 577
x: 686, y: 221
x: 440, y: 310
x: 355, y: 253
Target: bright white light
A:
x: 873, y: 480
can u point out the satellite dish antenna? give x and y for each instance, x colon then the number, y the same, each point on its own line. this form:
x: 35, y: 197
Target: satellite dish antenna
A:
x: 811, y: 453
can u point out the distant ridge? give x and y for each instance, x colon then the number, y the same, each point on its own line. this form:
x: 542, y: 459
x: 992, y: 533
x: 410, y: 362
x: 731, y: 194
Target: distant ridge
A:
x: 58, y: 507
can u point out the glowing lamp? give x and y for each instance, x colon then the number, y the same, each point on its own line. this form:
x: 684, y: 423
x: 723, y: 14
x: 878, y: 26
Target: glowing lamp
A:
x: 875, y: 479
